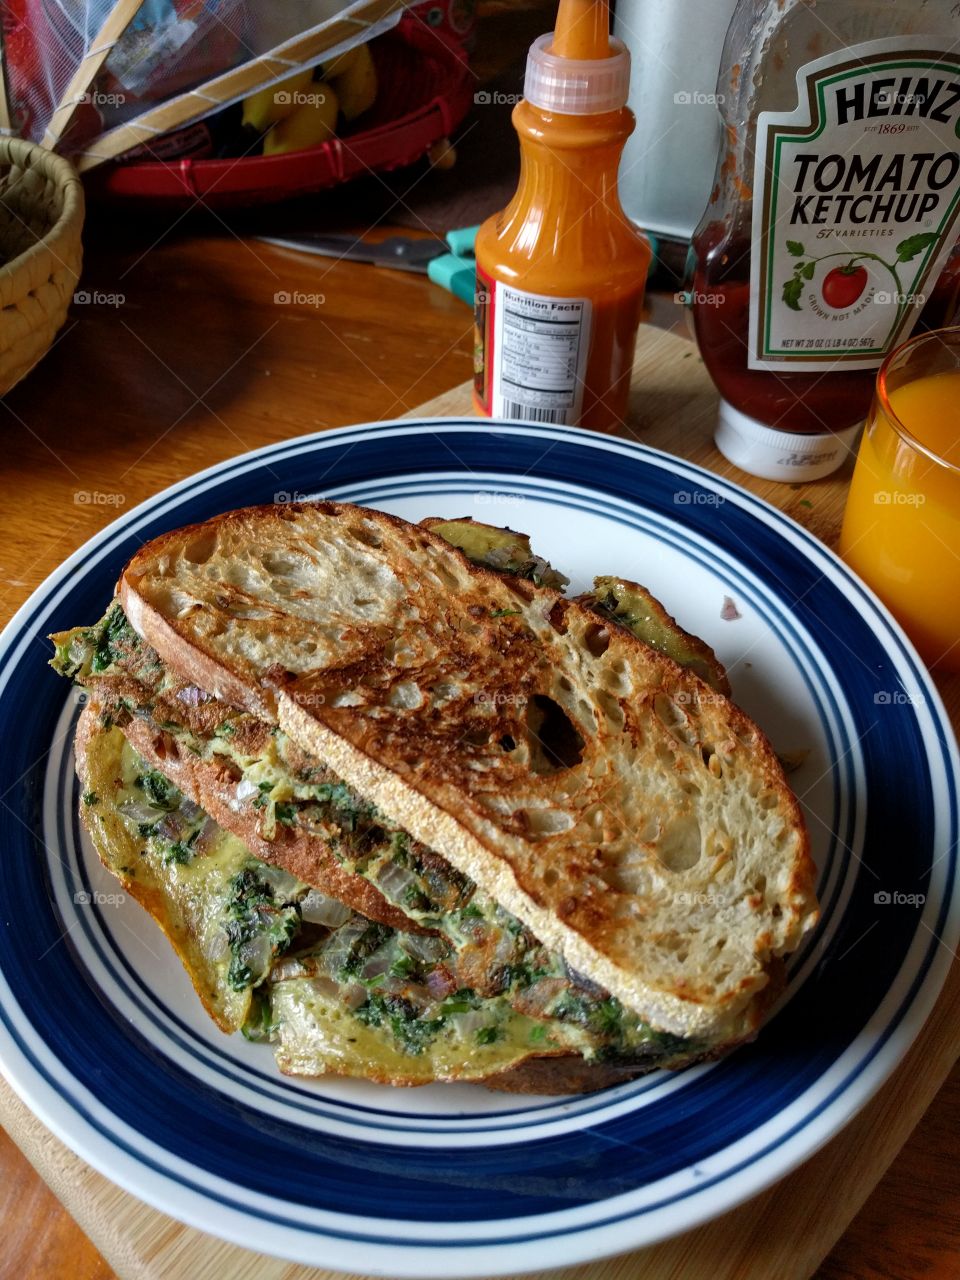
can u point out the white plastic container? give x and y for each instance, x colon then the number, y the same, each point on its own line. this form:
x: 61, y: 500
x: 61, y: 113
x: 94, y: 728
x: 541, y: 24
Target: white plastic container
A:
x: 668, y: 163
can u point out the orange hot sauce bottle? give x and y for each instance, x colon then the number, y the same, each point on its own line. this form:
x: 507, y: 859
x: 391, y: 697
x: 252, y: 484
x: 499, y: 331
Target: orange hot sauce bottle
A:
x: 561, y: 271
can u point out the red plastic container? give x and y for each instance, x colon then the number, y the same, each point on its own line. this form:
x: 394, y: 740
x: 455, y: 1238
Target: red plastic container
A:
x: 426, y: 89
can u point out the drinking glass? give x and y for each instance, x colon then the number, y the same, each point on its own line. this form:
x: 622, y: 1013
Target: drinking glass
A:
x: 901, y: 528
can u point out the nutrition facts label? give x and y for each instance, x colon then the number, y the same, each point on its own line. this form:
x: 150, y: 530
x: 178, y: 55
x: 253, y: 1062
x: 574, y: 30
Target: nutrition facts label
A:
x: 540, y: 355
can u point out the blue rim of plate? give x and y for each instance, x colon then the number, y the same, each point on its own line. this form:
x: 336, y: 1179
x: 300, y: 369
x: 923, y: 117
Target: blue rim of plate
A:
x: 616, y: 1178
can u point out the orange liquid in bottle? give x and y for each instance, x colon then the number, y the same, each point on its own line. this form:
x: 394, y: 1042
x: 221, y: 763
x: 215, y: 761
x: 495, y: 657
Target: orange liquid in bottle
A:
x: 564, y: 237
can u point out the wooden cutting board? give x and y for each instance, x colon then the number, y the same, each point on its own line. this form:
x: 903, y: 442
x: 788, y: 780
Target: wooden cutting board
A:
x: 784, y: 1233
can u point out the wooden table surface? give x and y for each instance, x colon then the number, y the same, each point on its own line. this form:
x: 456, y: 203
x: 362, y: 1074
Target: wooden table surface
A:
x: 197, y: 363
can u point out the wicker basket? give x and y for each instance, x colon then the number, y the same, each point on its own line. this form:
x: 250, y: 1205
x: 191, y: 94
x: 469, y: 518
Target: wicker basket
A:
x: 41, y: 215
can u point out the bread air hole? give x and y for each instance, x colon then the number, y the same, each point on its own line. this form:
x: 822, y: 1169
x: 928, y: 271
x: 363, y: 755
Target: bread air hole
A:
x: 553, y: 739
x: 200, y: 549
x: 597, y: 639
x: 280, y: 566
x: 368, y: 534
x: 445, y: 578
x: 674, y: 720
x: 546, y: 822
x: 557, y: 617
x: 649, y: 830
x: 249, y: 613
x: 681, y: 845
x: 610, y: 705
x: 629, y: 874
x: 617, y: 683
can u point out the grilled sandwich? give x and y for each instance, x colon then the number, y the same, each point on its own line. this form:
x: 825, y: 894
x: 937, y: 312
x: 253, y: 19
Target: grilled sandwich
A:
x: 548, y: 811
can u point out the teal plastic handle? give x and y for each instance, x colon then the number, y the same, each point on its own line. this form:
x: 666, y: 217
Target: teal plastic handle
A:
x: 462, y: 240
x: 454, y: 273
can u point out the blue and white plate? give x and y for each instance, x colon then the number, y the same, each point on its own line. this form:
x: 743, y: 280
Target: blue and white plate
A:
x: 102, y: 1036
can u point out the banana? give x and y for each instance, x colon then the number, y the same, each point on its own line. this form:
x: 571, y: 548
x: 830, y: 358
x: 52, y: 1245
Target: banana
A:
x: 267, y: 106
x: 307, y: 126
x: 340, y: 66
x: 355, y: 82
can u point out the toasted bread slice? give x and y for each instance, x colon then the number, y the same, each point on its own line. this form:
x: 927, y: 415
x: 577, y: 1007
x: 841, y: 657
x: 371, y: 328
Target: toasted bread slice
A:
x: 633, y: 818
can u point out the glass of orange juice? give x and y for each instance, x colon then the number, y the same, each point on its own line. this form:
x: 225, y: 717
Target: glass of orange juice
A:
x: 901, y: 528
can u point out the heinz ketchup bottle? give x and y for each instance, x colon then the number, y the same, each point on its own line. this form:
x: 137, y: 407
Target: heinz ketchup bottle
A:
x: 834, y: 211
x: 561, y: 271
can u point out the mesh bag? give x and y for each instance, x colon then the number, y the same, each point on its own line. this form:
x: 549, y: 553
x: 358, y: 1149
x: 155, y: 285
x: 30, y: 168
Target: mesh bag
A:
x: 94, y: 78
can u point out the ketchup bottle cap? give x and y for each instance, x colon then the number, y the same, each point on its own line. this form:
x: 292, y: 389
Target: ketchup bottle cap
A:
x: 780, y: 455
